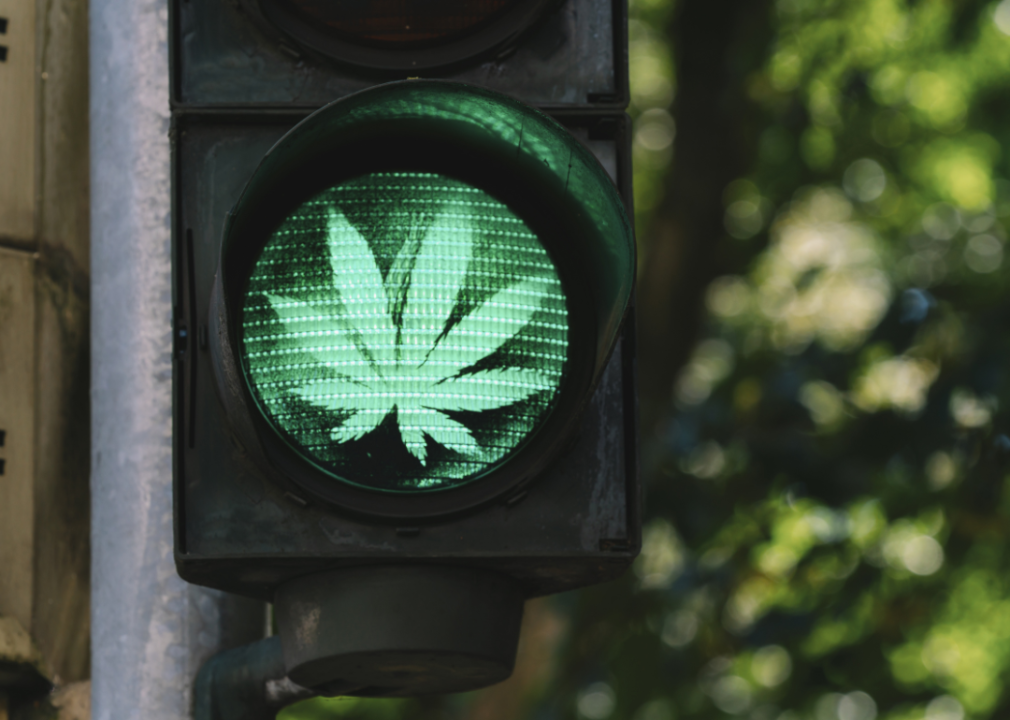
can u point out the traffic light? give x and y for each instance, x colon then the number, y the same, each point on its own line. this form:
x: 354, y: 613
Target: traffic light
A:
x: 403, y: 397
x: 394, y: 35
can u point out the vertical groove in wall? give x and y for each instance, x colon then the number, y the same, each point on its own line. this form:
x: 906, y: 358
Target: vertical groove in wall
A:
x: 18, y: 123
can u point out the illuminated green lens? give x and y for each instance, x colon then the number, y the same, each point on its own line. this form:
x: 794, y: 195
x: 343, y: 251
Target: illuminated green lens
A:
x: 405, y: 331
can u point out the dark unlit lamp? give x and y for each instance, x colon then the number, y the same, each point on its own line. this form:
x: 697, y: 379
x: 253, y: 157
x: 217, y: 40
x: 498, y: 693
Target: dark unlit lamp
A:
x: 398, y: 35
x: 399, y: 22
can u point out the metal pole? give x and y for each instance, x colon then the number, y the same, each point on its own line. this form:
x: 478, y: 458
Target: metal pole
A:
x: 150, y: 630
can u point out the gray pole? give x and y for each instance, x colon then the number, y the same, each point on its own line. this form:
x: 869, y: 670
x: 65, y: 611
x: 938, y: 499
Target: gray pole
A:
x: 150, y: 630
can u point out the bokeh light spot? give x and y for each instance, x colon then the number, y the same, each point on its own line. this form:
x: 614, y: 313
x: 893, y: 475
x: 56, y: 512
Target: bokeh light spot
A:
x: 654, y: 130
x: 680, y: 628
x: 596, y: 702
x: 662, y: 557
x: 731, y: 694
x: 946, y: 707
x: 856, y: 706
x: 1001, y: 17
x: 864, y: 180
x: 983, y: 254
x: 771, y: 666
x: 941, y: 470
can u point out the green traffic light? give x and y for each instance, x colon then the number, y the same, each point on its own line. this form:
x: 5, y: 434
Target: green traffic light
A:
x: 330, y: 400
x: 405, y: 331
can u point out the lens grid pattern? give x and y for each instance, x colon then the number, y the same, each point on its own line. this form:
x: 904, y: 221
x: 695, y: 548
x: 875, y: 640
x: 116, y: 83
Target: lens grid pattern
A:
x: 405, y: 331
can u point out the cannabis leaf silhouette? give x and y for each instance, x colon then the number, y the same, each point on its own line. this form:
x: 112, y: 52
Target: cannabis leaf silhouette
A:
x: 396, y: 345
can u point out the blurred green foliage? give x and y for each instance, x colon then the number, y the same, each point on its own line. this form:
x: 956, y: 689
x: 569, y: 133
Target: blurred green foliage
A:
x: 828, y: 500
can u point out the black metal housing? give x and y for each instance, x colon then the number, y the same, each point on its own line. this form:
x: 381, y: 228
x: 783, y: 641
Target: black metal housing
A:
x: 238, y: 84
x: 327, y: 149
x: 399, y: 630
x: 239, y: 529
x: 226, y: 54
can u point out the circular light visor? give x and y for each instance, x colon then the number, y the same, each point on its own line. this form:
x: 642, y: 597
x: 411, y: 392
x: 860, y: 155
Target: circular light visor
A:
x: 404, y: 331
x: 399, y: 22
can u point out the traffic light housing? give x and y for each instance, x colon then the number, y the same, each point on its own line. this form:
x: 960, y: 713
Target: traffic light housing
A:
x: 391, y: 316
x: 565, y: 55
